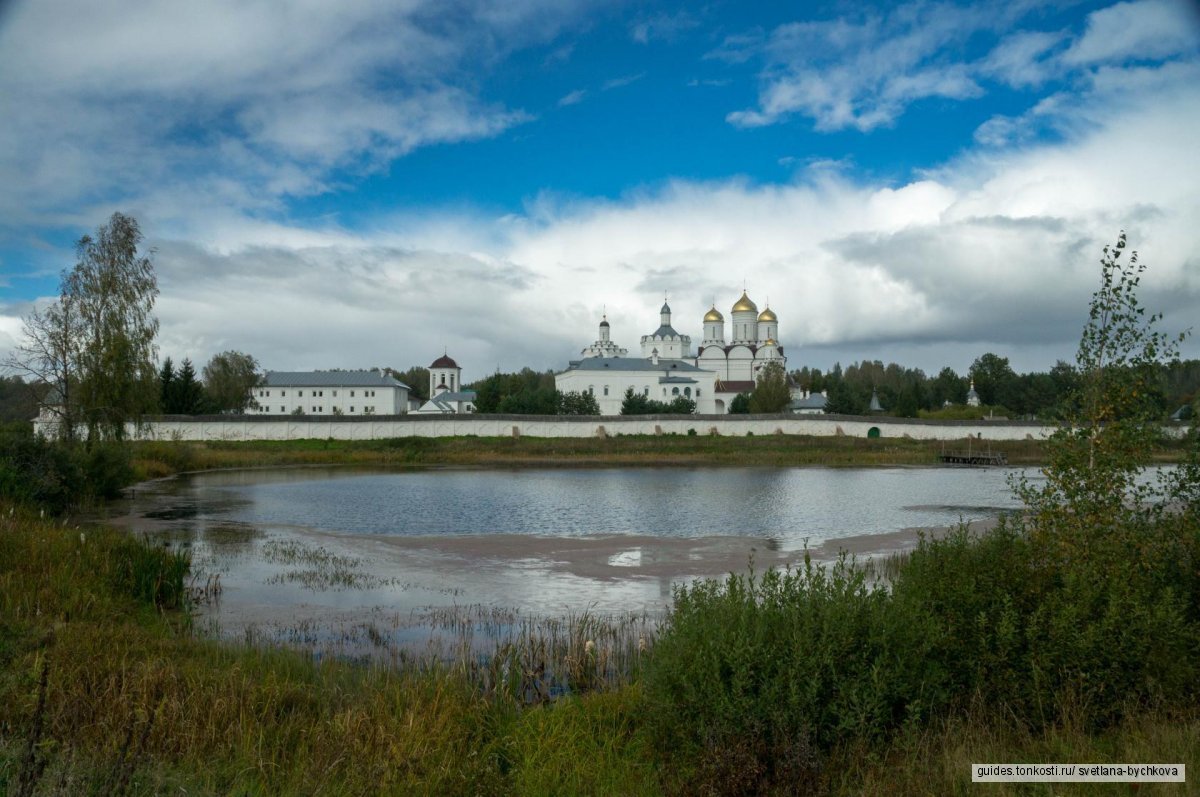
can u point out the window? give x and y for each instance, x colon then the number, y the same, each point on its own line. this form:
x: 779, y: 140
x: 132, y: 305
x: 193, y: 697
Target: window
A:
x: 283, y: 393
x: 451, y: 381
x: 591, y: 390
x: 674, y: 391
x: 268, y: 394
x: 697, y: 392
x: 606, y: 390
x: 351, y: 394
x: 647, y: 390
x: 322, y: 394
x: 352, y: 408
x: 281, y: 409
x: 335, y: 394
x: 687, y: 391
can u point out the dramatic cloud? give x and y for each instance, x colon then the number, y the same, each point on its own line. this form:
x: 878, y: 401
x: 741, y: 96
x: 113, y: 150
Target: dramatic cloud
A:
x: 237, y: 103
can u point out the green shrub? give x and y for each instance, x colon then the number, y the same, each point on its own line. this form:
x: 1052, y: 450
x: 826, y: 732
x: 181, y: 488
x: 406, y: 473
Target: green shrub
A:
x: 755, y: 680
x: 36, y: 472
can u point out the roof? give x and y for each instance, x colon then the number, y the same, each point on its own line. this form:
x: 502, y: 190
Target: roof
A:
x: 682, y: 380
x: 665, y: 331
x: 330, y: 379
x: 735, y: 386
x: 815, y: 401
x: 713, y: 315
x: 630, y: 364
x: 443, y: 362
x: 666, y: 308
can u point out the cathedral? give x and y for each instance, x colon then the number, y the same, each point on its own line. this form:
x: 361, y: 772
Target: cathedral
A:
x: 719, y: 370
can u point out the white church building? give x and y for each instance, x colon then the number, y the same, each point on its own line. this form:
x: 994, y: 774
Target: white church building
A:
x: 446, y: 396
x: 718, y: 371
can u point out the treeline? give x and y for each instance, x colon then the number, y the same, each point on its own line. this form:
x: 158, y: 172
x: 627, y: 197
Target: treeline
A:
x: 529, y: 392
x: 1042, y: 395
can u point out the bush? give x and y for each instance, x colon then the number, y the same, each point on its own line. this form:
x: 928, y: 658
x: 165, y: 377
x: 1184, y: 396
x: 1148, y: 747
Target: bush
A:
x: 36, y: 472
x: 762, y: 677
x: 56, y: 476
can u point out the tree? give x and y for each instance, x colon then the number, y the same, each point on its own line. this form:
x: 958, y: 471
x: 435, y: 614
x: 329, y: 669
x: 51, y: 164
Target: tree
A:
x: 1094, y: 493
x: 417, y: 379
x: 166, y: 385
x: 771, y: 394
x: 639, y: 404
x: 577, y: 404
x: 188, y: 395
x: 48, y: 352
x: 95, y: 344
x: 229, y: 379
x: 19, y: 400
x: 995, y: 381
x: 740, y: 405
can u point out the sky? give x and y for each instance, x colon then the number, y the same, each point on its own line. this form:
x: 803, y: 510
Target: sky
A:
x: 369, y: 184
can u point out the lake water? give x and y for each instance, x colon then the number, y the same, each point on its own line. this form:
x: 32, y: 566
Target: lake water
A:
x: 310, y: 553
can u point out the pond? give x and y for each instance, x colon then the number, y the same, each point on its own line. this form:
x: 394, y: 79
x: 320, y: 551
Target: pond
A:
x: 314, y: 555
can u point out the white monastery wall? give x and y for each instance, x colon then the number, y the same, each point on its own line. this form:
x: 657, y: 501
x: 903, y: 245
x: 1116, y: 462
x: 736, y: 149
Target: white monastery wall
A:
x: 248, y: 427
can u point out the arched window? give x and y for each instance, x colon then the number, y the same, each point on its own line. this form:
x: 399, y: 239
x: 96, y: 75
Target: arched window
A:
x: 687, y: 391
x: 674, y: 391
x: 647, y: 390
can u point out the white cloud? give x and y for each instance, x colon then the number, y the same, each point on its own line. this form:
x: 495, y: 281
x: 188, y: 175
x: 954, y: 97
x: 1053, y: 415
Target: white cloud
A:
x: 1021, y: 59
x: 1138, y: 30
x: 572, y: 98
x: 858, y: 73
x: 862, y: 72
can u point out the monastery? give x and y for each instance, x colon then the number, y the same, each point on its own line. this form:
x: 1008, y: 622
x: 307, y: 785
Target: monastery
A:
x: 718, y: 371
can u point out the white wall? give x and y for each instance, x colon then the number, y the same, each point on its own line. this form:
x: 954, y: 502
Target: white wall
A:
x: 245, y: 427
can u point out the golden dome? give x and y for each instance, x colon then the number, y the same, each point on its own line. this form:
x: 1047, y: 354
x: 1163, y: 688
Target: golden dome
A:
x: 767, y: 315
x: 745, y: 305
x: 713, y: 315
x: 770, y: 342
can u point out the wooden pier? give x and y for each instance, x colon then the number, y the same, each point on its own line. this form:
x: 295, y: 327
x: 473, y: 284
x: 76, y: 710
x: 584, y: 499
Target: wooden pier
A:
x: 972, y: 457
x: 968, y: 458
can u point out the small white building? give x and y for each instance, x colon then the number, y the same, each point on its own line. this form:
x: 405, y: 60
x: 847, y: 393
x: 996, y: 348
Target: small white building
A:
x: 329, y: 393
x: 446, y: 396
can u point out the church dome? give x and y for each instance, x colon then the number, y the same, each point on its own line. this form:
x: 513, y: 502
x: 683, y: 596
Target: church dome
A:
x: 443, y: 362
x: 745, y: 305
x: 713, y: 315
x: 770, y: 342
x: 767, y: 315
x: 604, y: 322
